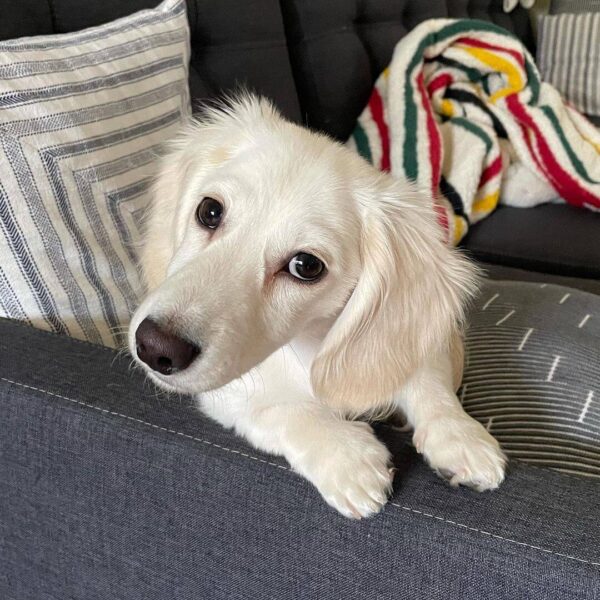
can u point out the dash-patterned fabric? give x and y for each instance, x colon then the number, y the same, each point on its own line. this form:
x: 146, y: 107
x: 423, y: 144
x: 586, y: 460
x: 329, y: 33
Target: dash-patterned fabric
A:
x: 532, y: 373
x: 460, y: 103
x: 568, y: 57
x: 82, y: 117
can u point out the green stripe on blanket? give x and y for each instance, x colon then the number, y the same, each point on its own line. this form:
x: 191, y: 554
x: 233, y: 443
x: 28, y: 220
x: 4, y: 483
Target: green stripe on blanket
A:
x: 362, y: 142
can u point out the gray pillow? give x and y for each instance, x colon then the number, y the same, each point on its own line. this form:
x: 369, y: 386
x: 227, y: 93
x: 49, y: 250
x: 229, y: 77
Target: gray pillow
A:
x: 532, y: 373
x: 573, y: 6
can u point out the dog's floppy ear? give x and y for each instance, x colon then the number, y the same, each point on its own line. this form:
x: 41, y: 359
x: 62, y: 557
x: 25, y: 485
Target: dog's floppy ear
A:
x: 407, y: 304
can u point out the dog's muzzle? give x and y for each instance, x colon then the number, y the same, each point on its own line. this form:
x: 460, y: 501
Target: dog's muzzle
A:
x: 162, y: 350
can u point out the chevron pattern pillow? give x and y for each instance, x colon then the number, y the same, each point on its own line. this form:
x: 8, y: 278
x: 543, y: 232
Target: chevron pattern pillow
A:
x: 82, y: 118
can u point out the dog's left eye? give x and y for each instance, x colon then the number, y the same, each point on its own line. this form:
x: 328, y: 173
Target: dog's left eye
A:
x: 306, y: 267
x: 209, y: 213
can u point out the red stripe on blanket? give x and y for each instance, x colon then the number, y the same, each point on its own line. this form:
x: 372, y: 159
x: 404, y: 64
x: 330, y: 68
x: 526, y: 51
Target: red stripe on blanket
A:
x: 435, y: 143
x: 376, y: 107
x: 479, y: 44
x: 441, y: 81
x: 540, y: 165
x: 491, y: 171
x: 435, y: 154
x: 566, y: 186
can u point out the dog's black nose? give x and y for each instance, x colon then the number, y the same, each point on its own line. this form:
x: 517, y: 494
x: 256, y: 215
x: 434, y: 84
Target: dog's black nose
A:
x: 162, y: 350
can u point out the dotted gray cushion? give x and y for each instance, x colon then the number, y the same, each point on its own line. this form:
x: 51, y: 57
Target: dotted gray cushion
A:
x: 532, y: 373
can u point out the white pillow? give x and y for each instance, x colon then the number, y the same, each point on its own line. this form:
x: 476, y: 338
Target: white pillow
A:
x: 82, y: 117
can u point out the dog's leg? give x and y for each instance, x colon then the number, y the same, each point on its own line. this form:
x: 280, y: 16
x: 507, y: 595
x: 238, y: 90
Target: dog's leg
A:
x: 455, y: 445
x: 344, y: 460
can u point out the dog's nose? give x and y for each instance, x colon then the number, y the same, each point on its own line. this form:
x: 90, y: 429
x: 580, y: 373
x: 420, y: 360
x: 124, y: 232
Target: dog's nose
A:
x: 162, y: 350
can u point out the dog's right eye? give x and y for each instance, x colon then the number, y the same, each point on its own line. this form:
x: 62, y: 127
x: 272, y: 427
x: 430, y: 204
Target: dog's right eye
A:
x: 209, y: 213
x: 306, y: 267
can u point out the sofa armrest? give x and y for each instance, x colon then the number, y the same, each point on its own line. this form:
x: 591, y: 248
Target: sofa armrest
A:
x: 111, y: 490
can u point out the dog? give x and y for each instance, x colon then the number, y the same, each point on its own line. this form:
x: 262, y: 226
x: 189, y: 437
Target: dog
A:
x: 293, y: 288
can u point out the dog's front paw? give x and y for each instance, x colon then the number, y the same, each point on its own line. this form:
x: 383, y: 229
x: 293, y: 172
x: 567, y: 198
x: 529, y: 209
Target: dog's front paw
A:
x: 459, y: 449
x: 352, y: 470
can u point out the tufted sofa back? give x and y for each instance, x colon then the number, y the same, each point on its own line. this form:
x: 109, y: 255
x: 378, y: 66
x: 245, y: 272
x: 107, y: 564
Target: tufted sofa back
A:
x: 317, y: 59
x: 338, y: 48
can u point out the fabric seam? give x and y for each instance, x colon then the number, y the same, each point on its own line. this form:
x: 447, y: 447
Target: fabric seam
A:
x: 278, y: 466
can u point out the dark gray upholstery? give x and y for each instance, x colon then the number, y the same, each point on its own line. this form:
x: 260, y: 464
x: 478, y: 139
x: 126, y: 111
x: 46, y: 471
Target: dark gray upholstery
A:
x: 551, y: 238
x: 110, y: 491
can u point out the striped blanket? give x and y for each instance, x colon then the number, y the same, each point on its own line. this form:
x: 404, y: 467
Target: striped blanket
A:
x: 462, y: 112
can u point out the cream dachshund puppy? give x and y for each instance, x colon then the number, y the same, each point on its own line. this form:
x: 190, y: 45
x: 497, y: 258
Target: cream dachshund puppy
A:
x: 292, y: 287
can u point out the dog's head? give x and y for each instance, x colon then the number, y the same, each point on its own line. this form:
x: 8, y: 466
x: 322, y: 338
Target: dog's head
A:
x: 261, y: 230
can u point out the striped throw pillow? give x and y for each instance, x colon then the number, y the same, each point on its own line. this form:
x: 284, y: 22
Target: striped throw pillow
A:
x: 568, y: 57
x: 573, y: 6
x: 82, y: 118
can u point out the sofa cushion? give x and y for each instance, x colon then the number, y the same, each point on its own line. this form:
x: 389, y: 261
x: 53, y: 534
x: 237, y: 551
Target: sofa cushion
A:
x: 83, y: 118
x: 110, y: 490
x: 502, y: 272
x: 532, y: 373
x: 551, y: 238
x: 248, y: 49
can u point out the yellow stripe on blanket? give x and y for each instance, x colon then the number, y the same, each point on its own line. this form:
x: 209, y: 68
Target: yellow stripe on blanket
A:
x: 593, y: 144
x: 460, y: 226
x: 446, y: 108
x: 502, y: 65
x: 487, y: 203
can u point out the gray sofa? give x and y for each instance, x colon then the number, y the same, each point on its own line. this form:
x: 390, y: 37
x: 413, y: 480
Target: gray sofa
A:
x: 111, y: 490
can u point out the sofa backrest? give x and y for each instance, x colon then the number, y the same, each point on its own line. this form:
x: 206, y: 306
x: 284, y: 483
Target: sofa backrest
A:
x: 317, y: 59
x: 234, y: 42
x: 339, y: 47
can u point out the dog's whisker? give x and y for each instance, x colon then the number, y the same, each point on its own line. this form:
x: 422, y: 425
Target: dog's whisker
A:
x: 246, y: 390
x: 262, y: 381
x: 291, y: 347
x: 284, y: 360
x: 134, y: 366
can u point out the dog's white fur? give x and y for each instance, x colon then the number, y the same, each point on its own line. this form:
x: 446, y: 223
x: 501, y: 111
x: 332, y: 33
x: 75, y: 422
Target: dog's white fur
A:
x: 288, y: 364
